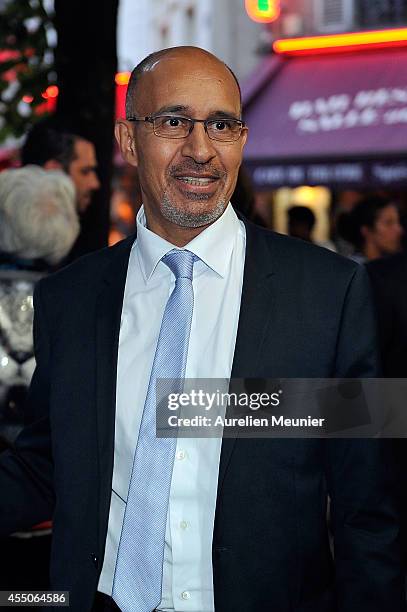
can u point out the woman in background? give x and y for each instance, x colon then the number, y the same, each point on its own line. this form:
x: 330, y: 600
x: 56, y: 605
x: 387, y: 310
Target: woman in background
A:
x: 38, y: 225
x: 373, y: 228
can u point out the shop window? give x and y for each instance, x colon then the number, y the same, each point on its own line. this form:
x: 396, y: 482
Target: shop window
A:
x: 333, y: 15
x: 379, y: 13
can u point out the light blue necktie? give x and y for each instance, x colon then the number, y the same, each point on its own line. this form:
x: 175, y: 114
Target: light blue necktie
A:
x: 138, y: 573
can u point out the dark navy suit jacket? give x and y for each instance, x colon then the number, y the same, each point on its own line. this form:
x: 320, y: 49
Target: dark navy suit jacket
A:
x: 305, y: 312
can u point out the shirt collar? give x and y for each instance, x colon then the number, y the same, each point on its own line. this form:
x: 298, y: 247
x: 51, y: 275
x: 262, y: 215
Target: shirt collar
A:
x: 214, y: 245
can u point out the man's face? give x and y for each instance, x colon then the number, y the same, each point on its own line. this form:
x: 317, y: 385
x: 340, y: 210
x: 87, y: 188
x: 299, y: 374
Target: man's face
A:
x: 82, y: 171
x: 186, y: 182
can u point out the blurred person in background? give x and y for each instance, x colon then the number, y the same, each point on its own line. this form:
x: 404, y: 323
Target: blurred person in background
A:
x: 243, y: 199
x: 389, y: 282
x: 53, y: 148
x: 38, y: 226
x: 373, y: 227
x: 301, y: 222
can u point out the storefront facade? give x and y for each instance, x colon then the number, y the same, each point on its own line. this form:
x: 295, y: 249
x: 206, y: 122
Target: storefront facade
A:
x: 337, y: 121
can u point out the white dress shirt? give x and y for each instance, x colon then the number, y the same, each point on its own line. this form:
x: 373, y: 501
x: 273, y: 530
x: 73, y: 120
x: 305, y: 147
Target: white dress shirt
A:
x: 217, y: 282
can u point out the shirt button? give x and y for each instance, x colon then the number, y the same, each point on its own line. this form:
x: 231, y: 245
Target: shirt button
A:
x: 181, y: 454
x: 185, y: 595
x: 183, y: 524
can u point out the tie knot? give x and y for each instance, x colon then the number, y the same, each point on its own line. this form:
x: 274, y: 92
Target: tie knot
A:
x: 180, y: 262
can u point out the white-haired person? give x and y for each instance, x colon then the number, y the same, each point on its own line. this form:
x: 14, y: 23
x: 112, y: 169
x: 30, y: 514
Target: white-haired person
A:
x: 38, y: 226
x: 38, y: 218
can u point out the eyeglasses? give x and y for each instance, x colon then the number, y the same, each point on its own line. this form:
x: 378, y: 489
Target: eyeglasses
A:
x: 169, y: 126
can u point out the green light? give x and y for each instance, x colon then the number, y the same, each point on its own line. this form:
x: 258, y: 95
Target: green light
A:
x: 263, y: 11
x: 263, y: 5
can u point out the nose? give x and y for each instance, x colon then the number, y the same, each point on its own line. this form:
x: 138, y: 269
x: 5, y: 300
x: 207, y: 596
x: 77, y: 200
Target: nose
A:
x: 94, y: 183
x: 198, y: 145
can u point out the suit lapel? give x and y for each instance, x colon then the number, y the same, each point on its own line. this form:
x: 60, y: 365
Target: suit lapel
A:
x: 109, y: 309
x: 254, y: 319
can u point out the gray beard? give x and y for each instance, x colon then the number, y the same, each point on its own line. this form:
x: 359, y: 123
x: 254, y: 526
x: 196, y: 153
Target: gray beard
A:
x: 184, y: 218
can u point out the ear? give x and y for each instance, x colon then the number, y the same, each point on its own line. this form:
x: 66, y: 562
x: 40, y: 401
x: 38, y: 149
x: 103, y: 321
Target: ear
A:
x: 244, y: 136
x: 52, y: 164
x: 124, y: 136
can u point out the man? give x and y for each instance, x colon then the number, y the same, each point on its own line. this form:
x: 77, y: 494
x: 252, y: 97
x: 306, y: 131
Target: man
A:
x: 204, y: 525
x: 301, y: 221
x: 53, y: 148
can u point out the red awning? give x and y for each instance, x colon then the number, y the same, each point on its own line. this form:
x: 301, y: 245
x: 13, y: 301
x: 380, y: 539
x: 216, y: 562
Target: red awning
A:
x: 333, y: 120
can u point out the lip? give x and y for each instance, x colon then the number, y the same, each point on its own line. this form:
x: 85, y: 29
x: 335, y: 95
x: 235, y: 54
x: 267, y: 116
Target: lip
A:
x: 197, y: 183
x: 197, y: 175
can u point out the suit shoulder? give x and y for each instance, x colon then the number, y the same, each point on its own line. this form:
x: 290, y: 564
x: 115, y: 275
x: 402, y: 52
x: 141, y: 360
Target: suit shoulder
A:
x: 306, y: 254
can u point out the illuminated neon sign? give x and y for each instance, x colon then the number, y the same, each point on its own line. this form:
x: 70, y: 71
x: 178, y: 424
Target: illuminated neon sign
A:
x: 341, y: 42
x: 263, y: 11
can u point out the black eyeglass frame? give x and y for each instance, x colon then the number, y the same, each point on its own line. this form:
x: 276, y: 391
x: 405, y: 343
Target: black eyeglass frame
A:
x: 192, y: 121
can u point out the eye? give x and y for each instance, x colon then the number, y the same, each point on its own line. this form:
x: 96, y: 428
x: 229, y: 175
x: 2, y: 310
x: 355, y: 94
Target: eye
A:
x: 221, y: 126
x: 170, y: 126
x: 173, y: 122
x: 224, y: 126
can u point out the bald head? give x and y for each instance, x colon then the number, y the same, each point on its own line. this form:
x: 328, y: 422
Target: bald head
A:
x: 186, y: 177
x: 152, y: 61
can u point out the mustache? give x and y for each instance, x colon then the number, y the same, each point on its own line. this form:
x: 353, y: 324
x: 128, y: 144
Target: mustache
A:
x: 192, y: 166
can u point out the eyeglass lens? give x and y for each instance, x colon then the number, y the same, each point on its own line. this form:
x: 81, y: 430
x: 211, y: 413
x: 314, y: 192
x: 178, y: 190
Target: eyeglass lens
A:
x: 226, y: 130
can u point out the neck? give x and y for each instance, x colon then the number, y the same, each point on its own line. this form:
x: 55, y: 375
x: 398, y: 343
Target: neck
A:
x: 175, y: 234
x: 371, y: 251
